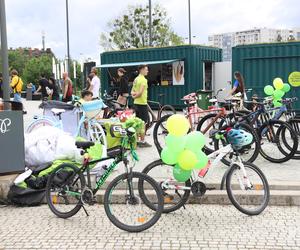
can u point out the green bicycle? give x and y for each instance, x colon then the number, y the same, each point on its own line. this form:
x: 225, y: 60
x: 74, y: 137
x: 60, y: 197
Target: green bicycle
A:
x: 67, y: 191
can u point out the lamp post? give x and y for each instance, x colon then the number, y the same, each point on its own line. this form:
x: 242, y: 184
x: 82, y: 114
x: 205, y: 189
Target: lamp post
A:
x: 190, y: 28
x: 68, y: 44
x: 4, y: 54
x: 150, y: 24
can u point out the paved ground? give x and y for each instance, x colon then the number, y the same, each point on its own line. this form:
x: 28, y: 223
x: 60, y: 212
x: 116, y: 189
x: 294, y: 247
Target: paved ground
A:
x: 197, y: 227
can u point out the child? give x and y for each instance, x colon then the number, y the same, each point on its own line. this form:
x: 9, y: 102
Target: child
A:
x: 86, y: 96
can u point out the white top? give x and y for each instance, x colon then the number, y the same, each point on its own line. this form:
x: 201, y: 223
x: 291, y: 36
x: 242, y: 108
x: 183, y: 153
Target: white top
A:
x: 95, y: 86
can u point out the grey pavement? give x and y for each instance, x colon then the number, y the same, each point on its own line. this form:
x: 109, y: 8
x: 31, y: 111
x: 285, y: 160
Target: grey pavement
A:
x: 196, y: 227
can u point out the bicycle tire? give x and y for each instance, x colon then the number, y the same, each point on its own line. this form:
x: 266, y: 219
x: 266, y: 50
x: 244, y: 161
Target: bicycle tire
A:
x: 295, y: 123
x: 256, y: 141
x: 151, y: 119
x: 158, y: 125
x: 182, y: 200
x: 206, y: 149
x: 48, y: 191
x: 282, y: 128
x: 35, y: 123
x: 159, y: 207
x: 232, y: 198
x: 166, y: 108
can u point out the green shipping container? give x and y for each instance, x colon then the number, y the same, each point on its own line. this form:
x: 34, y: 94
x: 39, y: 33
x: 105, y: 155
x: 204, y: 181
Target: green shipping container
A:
x: 261, y: 63
x: 194, y: 59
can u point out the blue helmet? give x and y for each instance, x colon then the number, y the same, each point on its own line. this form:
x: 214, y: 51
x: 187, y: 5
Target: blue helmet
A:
x: 239, y: 138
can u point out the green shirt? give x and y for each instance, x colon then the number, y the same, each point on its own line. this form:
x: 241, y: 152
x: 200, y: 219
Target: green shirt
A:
x: 138, y: 83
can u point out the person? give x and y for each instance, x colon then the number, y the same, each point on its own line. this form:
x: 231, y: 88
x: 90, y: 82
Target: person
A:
x: 238, y: 85
x: 89, y: 80
x: 95, y: 84
x: 67, y: 88
x: 43, y: 85
x: 139, y: 93
x: 16, y: 84
x: 1, y: 83
x: 53, y: 89
x: 86, y: 96
x: 32, y: 86
x: 123, y: 90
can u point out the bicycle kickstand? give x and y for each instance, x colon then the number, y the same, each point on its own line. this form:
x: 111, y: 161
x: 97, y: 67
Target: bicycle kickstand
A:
x: 176, y: 191
x: 87, y: 214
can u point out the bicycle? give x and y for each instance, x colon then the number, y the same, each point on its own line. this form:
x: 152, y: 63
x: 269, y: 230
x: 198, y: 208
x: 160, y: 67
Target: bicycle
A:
x: 89, y: 128
x: 249, y: 181
x: 67, y: 191
x: 162, y: 111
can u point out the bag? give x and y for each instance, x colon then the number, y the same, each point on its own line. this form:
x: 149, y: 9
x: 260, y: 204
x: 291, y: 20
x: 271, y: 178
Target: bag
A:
x: 70, y: 89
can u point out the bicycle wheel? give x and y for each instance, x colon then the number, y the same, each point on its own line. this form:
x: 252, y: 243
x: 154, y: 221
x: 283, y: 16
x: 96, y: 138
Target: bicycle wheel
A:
x: 203, y: 125
x: 248, y: 153
x: 295, y: 124
x: 160, y: 133
x: 250, y: 194
x: 272, y: 146
x: 174, y: 198
x: 151, y: 119
x: 63, y: 190
x: 166, y: 110
x: 39, y: 123
x: 124, y: 206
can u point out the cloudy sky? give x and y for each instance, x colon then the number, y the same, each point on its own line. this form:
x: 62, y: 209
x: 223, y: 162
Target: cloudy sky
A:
x: 26, y: 19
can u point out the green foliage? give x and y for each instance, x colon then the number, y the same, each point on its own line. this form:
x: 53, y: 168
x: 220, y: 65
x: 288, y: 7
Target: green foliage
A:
x: 17, y: 59
x: 35, y: 67
x: 132, y: 29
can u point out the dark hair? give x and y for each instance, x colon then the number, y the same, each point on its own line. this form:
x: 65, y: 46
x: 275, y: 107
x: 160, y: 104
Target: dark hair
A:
x: 90, y: 76
x: 42, y: 75
x: 52, y: 80
x: 85, y: 93
x: 240, y: 78
x: 140, y: 67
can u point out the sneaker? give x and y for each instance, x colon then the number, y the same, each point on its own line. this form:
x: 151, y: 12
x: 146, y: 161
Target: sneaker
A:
x: 144, y: 144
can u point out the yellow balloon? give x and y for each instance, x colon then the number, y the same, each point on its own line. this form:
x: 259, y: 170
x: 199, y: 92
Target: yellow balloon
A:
x: 187, y: 159
x: 178, y: 125
x: 278, y: 83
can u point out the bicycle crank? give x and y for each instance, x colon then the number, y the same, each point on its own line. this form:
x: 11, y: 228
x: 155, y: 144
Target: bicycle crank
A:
x: 198, y: 189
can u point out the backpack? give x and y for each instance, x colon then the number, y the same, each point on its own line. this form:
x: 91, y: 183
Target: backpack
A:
x: 18, y: 86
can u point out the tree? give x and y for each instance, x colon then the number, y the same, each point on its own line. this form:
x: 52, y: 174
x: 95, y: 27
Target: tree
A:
x: 132, y: 29
x: 35, y: 67
x: 17, y: 59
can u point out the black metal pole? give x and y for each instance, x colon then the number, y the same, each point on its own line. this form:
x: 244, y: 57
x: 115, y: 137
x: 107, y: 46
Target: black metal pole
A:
x: 4, y: 54
x: 190, y: 28
x: 68, y: 44
x: 150, y: 24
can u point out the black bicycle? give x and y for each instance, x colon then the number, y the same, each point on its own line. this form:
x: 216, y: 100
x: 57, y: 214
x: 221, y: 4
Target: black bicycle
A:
x: 67, y: 191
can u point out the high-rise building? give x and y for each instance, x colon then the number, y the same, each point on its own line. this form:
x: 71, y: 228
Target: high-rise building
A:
x: 226, y: 41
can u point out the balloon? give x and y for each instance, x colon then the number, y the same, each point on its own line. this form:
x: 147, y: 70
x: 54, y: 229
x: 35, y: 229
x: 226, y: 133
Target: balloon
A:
x: 175, y: 143
x: 178, y: 125
x: 202, y: 160
x: 278, y: 83
x: 278, y: 94
x: 269, y: 90
x: 187, y: 159
x: 286, y: 87
x: 277, y: 104
x: 180, y: 174
x: 168, y: 156
x: 195, y: 141
x: 294, y: 79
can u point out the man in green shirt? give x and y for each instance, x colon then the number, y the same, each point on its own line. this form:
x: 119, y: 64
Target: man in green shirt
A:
x: 139, y: 93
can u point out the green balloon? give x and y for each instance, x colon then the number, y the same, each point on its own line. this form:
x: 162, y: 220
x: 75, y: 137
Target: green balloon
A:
x: 195, y: 141
x: 286, y: 87
x: 168, y: 156
x: 175, y: 143
x: 180, y: 174
x: 276, y: 103
x: 278, y: 94
x: 269, y: 90
x: 202, y: 160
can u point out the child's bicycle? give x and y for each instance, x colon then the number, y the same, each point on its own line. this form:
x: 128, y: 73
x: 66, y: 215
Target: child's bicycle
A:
x: 246, y: 185
x: 67, y: 191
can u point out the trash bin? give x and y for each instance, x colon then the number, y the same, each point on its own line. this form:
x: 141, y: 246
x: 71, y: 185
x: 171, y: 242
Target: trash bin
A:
x: 29, y: 93
x: 203, y: 98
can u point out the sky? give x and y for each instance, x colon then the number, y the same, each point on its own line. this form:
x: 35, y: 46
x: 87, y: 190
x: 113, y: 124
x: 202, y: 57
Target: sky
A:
x: 26, y: 19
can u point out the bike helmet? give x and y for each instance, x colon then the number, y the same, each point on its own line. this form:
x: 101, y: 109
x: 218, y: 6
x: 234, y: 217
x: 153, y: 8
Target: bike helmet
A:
x: 239, y: 138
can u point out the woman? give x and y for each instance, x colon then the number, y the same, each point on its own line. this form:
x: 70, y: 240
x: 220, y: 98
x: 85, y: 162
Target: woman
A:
x: 238, y: 85
x: 53, y: 89
x: 89, y: 80
x: 123, y: 92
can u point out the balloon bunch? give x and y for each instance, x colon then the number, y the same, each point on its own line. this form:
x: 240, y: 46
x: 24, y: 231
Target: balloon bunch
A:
x: 183, y: 150
x: 279, y: 91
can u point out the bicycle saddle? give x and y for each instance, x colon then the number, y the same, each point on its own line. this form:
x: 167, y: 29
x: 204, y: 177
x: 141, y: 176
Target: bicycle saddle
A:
x: 57, y: 111
x: 84, y: 144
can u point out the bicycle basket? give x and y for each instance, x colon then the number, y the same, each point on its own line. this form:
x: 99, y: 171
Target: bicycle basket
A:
x: 92, y: 109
